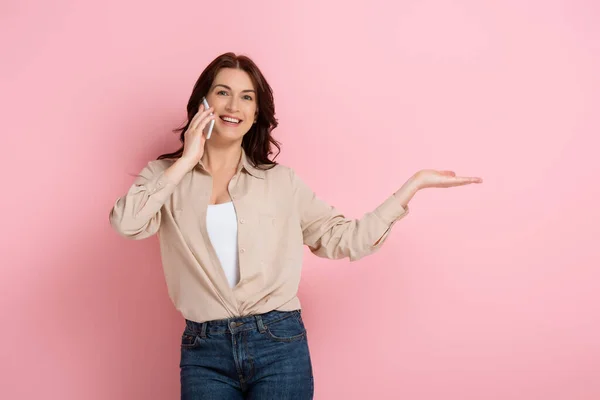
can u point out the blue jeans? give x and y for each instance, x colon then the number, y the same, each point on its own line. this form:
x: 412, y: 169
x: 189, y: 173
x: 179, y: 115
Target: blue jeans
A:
x: 259, y: 357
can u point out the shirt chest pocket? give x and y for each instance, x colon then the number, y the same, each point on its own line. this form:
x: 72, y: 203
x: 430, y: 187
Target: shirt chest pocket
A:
x: 272, y: 233
x: 268, y: 221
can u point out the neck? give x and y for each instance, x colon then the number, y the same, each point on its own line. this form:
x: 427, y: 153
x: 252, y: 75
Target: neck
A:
x: 217, y: 158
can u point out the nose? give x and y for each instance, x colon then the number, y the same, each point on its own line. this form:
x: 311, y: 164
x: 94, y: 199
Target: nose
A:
x: 231, y: 105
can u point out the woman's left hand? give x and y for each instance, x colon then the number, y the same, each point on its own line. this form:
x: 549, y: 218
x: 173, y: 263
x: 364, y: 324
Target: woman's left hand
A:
x: 430, y: 178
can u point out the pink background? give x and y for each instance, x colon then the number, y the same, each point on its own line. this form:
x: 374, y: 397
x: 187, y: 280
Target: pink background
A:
x: 483, y: 292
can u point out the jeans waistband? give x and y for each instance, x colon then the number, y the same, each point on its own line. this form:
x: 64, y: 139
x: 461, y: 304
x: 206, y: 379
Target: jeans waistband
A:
x: 239, y: 324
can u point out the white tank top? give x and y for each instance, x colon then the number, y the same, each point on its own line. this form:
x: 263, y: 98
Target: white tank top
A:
x: 221, y: 223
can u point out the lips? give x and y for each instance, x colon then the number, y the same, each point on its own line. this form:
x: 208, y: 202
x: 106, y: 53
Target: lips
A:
x: 231, y: 121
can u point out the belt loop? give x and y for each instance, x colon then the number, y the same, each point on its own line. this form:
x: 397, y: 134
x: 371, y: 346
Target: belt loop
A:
x: 260, y: 324
x: 203, y: 330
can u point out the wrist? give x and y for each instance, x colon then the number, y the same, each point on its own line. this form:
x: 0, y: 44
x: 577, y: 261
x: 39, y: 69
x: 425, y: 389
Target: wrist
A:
x: 187, y: 163
x: 415, y: 182
x: 407, y: 191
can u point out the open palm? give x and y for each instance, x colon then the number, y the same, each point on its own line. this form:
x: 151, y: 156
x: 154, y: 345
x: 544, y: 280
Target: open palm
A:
x: 428, y: 178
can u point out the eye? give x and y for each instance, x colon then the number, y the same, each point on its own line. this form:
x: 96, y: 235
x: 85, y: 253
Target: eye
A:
x: 248, y: 97
x: 222, y: 93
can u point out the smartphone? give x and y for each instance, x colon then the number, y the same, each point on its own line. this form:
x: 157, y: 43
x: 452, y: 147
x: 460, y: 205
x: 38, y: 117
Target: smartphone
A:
x: 209, y: 127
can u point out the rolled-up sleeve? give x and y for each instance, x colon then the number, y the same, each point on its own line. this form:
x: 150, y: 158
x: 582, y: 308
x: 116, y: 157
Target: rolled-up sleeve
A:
x: 136, y: 215
x: 329, y: 234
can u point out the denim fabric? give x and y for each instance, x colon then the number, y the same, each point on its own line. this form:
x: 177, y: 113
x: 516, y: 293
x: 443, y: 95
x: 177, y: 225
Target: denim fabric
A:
x: 259, y: 357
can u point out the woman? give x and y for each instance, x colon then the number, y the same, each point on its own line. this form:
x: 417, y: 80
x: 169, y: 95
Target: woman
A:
x: 232, y: 224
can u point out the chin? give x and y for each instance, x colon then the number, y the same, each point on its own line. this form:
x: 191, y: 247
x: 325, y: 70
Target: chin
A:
x: 237, y: 132
x: 227, y: 136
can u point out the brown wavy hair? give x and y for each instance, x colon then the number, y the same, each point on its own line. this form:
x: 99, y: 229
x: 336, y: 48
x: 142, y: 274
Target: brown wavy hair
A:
x: 258, y: 140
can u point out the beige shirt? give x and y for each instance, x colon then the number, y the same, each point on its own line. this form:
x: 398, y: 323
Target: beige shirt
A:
x: 277, y: 213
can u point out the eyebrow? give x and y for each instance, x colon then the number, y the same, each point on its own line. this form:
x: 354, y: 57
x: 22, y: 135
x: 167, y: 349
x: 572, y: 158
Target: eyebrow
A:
x: 227, y: 87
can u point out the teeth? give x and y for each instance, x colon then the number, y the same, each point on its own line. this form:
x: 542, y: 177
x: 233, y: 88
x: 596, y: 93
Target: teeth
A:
x: 233, y: 120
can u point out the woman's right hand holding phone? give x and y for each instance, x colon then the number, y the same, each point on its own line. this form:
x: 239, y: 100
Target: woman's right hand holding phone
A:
x: 193, y: 147
x: 194, y: 137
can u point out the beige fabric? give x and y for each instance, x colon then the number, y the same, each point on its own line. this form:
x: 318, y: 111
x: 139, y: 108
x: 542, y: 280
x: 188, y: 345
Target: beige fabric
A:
x: 277, y: 213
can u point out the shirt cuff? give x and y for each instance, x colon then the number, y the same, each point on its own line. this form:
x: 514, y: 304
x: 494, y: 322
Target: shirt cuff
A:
x: 391, y: 210
x: 160, y: 188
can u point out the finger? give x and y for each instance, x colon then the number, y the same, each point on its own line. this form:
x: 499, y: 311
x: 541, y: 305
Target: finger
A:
x: 195, y: 117
x: 448, y: 173
x: 465, y: 180
x: 202, y: 113
x: 201, y: 116
x: 205, y: 122
x: 192, y: 122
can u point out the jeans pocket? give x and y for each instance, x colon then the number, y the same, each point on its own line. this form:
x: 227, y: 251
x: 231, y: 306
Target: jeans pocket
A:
x: 288, y: 329
x: 189, y: 341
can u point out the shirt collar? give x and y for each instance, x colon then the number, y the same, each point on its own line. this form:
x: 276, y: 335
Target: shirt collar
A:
x: 246, y: 165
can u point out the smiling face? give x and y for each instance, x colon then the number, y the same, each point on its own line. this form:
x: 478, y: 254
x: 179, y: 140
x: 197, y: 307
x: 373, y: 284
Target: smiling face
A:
x: 233, y: 97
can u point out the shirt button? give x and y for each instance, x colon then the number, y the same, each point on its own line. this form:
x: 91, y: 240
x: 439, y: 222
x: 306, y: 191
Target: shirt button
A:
x: 242, y: 250
x: 242, y: 221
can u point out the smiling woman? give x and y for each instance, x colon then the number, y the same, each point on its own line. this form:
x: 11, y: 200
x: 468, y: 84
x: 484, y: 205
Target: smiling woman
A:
x: 232, y: 224
x: 234, y: 106
x: 236, y: 81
